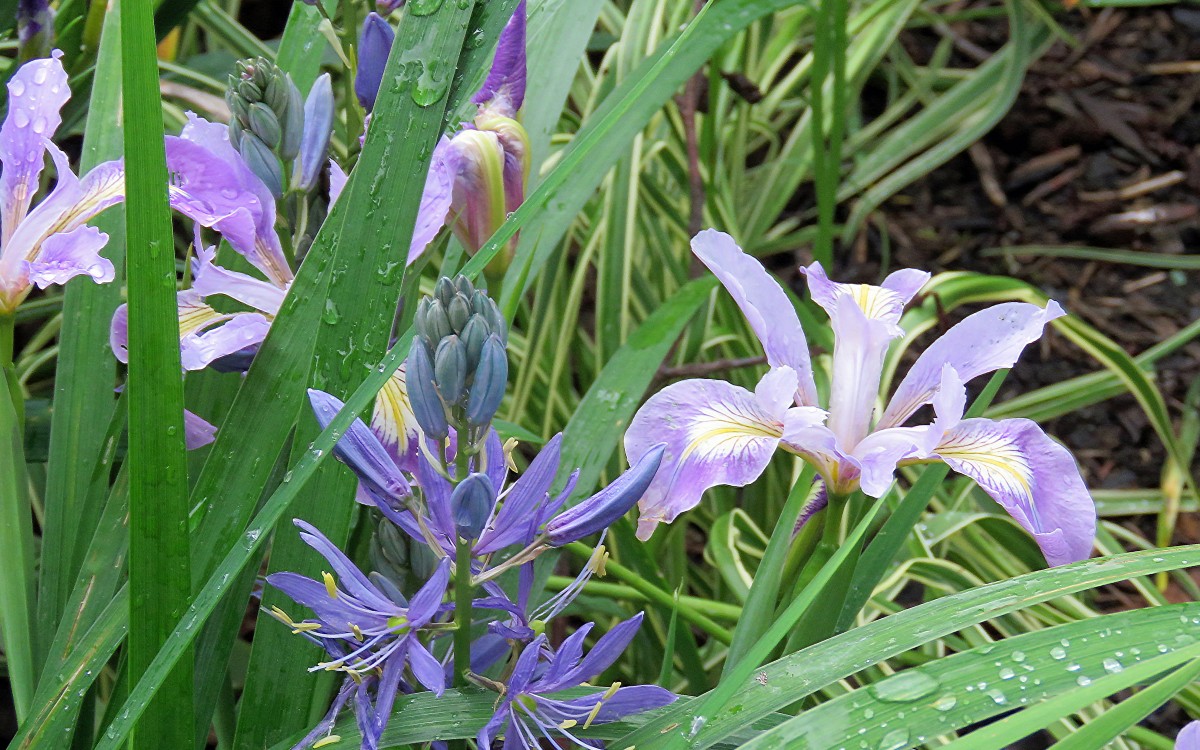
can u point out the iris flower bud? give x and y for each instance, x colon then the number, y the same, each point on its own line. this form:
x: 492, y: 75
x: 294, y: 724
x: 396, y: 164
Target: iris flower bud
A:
x: 374, y: 44
x: 422, y: 393
x: 491, y: 378
x: 471, y: 504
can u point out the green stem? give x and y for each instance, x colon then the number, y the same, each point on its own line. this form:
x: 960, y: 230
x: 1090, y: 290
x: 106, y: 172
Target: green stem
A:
x: 723, y: 610
x: 462, y: 574
x: 462, y: 613
x: 16, y: 534
x: 655, y: 594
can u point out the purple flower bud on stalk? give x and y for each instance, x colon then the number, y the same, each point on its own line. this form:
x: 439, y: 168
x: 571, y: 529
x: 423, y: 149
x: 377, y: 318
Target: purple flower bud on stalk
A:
x: 603, y: 509
x: 318, y: 127
x: 471, y: 504
x: 374, y: 45
x: 422, y: 393
x: 361, y: 450
x: 491, y: 378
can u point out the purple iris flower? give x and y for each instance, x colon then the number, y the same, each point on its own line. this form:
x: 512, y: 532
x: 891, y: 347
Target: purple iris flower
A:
x: 51, y: 243
x: 527, y: 713
x: 719, y: 434
x: 477, y: 175
x: 212, y: 185
x: 369, y: 635
x: 35, y: 28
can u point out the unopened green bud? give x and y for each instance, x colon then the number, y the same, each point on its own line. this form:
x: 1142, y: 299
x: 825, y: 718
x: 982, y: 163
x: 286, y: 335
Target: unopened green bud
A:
x: 491, y: 378
x: 444, y: 290
x: 474, y: 333
x: 422, y: 393
x: 437, y: 323
x: 459, y: 311
x: 262, y: 162
x: 249, y: 91
x: 291, y: 118
x: 464, y: 286
x: 450, y: 369
x: 265, y: 124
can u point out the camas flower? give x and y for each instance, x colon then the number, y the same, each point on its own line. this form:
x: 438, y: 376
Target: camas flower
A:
x: 720, y: 434
x: 477, y: 175
x: 52, y: 243
x: 527, y: 713
x: 372, y: 634
x: 519, y: 512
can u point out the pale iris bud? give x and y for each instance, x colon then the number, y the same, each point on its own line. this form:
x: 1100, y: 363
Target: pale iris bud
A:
x: 292, y: 122
x: 471, y: 504
x: 35, y: 29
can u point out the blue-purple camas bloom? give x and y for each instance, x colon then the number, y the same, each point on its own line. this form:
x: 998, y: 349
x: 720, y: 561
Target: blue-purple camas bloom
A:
x: 529, y: 713
x: 370, y: 633
x: 52, y: 243
x: 719, y: 434
x: 519, y: 514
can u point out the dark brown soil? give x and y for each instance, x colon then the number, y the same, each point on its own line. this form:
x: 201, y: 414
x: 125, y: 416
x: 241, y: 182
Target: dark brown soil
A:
x: 1090, y: 121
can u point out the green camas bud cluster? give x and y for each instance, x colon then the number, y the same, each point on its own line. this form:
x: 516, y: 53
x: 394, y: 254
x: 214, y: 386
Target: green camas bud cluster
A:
x: 458, y: 365
x: 267, y: 121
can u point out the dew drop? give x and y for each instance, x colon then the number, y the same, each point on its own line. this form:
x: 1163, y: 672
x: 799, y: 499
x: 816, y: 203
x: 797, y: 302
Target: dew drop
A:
x: 904, y: 687
x: 1058, y: 653
x: 1113, y: 666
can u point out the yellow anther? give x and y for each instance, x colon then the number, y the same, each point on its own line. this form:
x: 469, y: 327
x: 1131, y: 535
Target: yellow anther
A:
x: 333, y: 666
x: 357, y: 631
x: 612, y: 690
x: 355, y: 676
x: 332, y: 739
x: 598, y: 560
x: 510, y: 445
x: 330, y: 585
x: 304, y: 627
x: 282, y: 616
x: 567, y: 724
x: 593, y: 714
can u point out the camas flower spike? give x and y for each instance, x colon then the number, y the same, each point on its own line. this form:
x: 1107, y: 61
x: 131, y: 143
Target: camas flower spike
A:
x: 720, y: 434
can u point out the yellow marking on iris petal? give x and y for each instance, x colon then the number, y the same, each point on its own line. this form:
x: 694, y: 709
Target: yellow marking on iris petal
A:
x: 196, y: 317
x: 997, y: 455
x: 332, y: 739
x: 330, y: 585
x: 719, y: 425
x: 568, y: 724
x: 393, y: 418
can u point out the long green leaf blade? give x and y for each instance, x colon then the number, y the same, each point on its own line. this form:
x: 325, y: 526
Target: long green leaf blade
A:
x: 159, y: 562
